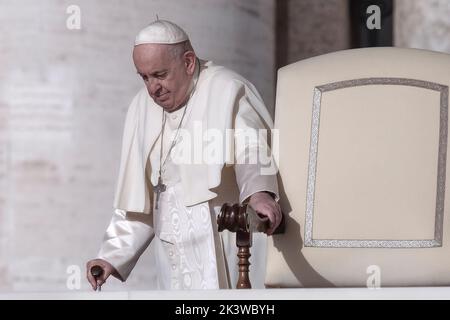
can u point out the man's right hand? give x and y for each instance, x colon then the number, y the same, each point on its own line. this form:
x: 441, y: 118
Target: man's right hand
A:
x: 108, y: 270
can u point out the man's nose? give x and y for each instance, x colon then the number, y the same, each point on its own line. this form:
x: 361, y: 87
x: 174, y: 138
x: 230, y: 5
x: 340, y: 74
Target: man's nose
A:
x: 154, y: 87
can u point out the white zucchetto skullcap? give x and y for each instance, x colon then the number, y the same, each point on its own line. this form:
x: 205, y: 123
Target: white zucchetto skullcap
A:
x: 162, y: 32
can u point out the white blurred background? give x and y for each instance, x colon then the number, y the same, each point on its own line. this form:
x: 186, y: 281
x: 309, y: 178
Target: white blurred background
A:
x: 64, y: 94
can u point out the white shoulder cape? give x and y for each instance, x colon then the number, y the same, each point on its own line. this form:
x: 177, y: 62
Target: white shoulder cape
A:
x: 218, y: 95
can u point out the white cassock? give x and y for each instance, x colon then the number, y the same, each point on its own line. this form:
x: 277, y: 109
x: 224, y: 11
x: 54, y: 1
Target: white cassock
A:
x: 190, y: 254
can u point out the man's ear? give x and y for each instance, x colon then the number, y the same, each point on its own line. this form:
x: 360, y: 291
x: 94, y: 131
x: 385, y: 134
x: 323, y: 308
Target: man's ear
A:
x: 189, y: 62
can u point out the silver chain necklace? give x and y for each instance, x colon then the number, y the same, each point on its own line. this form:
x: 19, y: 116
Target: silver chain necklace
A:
x: 161, y: 187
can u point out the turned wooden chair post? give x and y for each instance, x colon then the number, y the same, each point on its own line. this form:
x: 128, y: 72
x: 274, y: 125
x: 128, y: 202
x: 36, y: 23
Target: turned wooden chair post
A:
x: 244, y: 242
x: 236, y: 218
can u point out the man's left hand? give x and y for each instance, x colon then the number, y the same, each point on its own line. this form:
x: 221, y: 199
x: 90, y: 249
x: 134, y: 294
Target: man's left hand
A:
x: 264, y: 204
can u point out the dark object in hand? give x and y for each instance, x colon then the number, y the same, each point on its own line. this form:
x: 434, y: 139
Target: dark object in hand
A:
x: 96, y: 272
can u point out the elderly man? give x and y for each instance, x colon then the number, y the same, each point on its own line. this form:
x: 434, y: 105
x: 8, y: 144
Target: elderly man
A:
x: 169, y: 190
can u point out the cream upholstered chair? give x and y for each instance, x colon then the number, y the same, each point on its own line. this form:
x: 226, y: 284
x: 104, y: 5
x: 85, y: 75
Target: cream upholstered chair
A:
x: 362, y: 154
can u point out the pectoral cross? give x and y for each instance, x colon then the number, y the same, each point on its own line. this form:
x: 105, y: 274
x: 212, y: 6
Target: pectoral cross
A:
x: 160, y: 187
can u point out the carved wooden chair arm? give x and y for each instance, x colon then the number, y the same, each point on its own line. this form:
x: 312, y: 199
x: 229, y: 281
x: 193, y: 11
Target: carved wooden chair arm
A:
x: 244, y: 221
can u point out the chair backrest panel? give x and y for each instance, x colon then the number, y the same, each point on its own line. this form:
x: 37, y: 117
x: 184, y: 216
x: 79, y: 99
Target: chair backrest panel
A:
x: 362, y: 154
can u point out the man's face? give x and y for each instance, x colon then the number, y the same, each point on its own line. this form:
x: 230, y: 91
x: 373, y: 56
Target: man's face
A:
x: 166, y: 77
